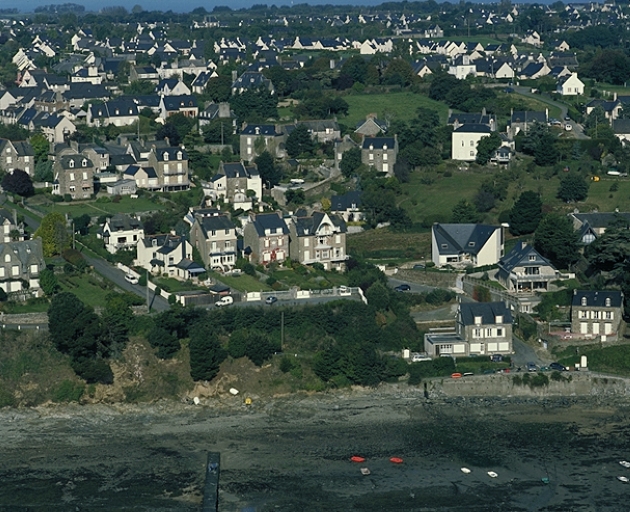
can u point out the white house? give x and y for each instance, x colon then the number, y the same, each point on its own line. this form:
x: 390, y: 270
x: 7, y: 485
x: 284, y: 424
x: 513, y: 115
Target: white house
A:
x: 570, y: 85
x: 465, y: 140
x: 121, y: 232
x: 462, y: 245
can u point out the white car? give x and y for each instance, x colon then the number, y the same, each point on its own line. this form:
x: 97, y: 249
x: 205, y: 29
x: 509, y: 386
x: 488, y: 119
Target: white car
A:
x: 224, y: 301
x: 130, y: 278
x: 568, y: 127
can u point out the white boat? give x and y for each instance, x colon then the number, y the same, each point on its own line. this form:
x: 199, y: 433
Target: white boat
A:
x: 624, y: 463
x: 365, y: 471
x: 623, y: 479
x: 465, y: 470
x: 492, y: 474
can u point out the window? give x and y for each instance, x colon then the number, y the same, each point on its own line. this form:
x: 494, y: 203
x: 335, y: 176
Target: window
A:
x: 476, y: 333
x: 227, y: 231
x: 472, y: 153
x: 337, y: 239
x: 607, y: 302
x: 7, y: 258
x: 15, y: 270
x: 165, y: 155
x: 85, y: 175
x: 71, y: 176
x: 499, y: 333
x: 26, y: 159
x: 306, y: 242
x: 532, y: 257
x: 471, y: 244
x: 84, y: 163
x: 384, y: 157
x: 609, y: 315
x: 595, y: 315
x: 583, y: 301
x: 9, y: 159
x: 165, y: 167
x: 213, y: 233
x: 472, y: 142
x: 583, y: 314
x: 71, y: 164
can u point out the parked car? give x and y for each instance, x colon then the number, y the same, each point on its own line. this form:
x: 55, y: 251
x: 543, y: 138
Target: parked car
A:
x: 531, y: 367
x: 568, y: 127
x: 130, y: 278
x: 557, y: 367
x: 417, y: 357
x: 403, y: 288
x: 224, y: 301
x: 272, y: 299
x: 418, y: 266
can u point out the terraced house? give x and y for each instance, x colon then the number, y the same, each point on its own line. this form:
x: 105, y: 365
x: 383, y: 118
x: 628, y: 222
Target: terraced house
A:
x: 74, y: 175
x: 171, y: 167
x: 214, y: 236
x: 596, y: 314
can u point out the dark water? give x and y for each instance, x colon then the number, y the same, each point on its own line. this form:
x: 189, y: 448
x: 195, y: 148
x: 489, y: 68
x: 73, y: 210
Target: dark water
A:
x: 294, y: 455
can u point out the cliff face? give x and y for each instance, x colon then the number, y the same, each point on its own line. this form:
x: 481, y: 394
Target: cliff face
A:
x: 504, y: 385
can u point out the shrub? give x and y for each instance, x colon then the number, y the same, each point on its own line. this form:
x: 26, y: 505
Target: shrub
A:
x: 93, y: 370
x: 73, y: 256
x: 286, y: 364
x: 69, y: 391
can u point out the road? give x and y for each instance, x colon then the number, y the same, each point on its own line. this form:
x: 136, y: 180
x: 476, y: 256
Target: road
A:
x: 415, y: 288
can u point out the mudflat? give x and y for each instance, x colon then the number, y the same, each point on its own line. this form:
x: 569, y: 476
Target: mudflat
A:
x: 293, y: 453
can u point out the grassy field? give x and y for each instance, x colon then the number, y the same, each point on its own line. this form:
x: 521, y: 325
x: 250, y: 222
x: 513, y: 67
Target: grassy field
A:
x: 243, y: 283
x: 540, y: 105
x: 89, y: 288
x: 96, y: 208
x: 394, y: 105
x: 382, y: 243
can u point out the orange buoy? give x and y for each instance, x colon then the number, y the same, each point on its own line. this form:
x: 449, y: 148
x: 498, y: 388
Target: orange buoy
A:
x: 456, y: 376
x: 356, y: 458
x: 396, y: 460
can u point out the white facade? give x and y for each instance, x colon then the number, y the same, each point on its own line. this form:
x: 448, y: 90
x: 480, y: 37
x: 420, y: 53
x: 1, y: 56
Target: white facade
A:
x: 464, y: 144
x: 572, y: 86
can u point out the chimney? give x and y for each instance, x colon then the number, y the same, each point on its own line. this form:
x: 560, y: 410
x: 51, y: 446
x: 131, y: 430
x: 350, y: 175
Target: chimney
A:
x: 234, y: 76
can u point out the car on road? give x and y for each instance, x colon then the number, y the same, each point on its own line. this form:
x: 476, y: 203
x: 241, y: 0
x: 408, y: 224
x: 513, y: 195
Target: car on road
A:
x: 403, y: 287
x: 130, y: 278
x: 557, y: 367
x: 224, y: 301
x: 568, y: 127
x: 531, y: 367
x: 272, y: 299
x: 567, y: 118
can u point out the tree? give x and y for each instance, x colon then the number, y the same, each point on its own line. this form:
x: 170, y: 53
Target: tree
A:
x: 526, y: 213
x: 299, y: 142
x: 166, y: 342
x: 53, y: 233
x: 206, y: 353
x: 398, y: 72
x: 48, y: 282
x: 546, y: 152
x: 82, y: 224
x: 219, y: 89
x: 486, y: 148
x: 41, y: 146
x: 464, y: 213
x: 116, y: 319
x: 267, y: 168
x: 295, y: 196
x: 556, y: 240
x: 350, y: 161
x: 573, y: 187
x: 177, y: 127
x: 18, y: 182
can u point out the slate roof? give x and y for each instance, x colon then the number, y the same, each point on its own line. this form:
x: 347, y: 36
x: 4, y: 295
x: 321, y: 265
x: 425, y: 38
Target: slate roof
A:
x: 172, y: 103
x: 621, y: 126
x: 462, y: 238
x: 215, y: 223
x: 599, y: 220
x: 488, y: 311
x: 473, y: 128
x: 166, y: 243
x: 238, y: 170
x: 378, y: 142
x: 518, y: 254
x: 271, y: 222
x: 598, y: 298
x: 132, y: 170
x: 172, y: 154
x: 346, y: 201
x: 528, y: 117
x: 115, y: 108
x: 260, y: 129
x: 86, y: 90
x: 308, y: 225
x: 122, y: 222
x: 78, y: 162
x: 470, y: 118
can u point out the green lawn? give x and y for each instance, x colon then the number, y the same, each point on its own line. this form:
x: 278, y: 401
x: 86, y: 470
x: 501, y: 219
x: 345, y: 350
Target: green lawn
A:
x: 243, y: 283
x: 381, y: 243
x: 31, y: 306
x: 314, y: 280
x: 89, y: 288
x: 393, y: 105
x: 94, y: 208
x: 175, y: 285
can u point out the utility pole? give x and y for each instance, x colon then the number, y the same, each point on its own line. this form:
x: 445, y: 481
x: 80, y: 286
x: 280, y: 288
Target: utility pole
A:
x: 221, y: 133
x: 281, y: 330
x: 148, y: 305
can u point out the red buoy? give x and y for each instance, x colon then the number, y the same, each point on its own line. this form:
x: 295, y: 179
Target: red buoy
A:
x: 356, y: 458
x: 396, y: 460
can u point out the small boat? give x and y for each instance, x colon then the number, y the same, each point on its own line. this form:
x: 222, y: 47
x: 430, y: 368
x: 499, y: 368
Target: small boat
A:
x: 365, y: 471
x: 456, y: 376
x: 623, y: 479
x: 624, y: 463
x: 466, y: 471
x: 356, y: 458
x: 545, y: 480
x: 396, y: 460
x: 492, y: 474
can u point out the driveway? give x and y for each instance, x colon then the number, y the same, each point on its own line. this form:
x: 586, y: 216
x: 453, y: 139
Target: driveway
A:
x: 524, y: 353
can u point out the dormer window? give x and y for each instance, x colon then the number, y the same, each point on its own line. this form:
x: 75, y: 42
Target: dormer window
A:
x: 477, y: 320
x: 498, y: 319
x: 179, y: 155
x: 165, y: 156
x: 532, y: 257
x: 84, y: 163
x: 471, y: 244
x: 384, y: 147
x: 583, y: 301
x: 71, y: 164
x: 607, y: 302
x: 444, y: 246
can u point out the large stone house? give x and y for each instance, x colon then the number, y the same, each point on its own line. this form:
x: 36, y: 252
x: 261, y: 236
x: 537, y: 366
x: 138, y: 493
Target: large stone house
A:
x: 17, y: 155
x: 171, y: 166
x: 214, y: 236
x: 257, y: 138
x: 596, y: 314
x: 266, y: 238
x: 232, y: 183
x: 121, y: 232
x: 318, y: 238
x: 20, y: 265
x: 380, y: 153
x: 167, y: 254
x: 74, y: 175
x: 463, y: 245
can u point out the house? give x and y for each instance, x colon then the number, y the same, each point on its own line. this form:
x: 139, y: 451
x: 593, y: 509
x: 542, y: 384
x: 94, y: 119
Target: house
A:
x: 341, y: 146
x: 252, y: 80
x: 462, y: 245
x: 534, y: 70
x: 596, y: 314
x: 521, y: 121
x: 318, y: 238
x: 214, y: 236
x: 524, y: 270
x: 621, y: 128
x: 380, y: 153
x: 121, y: 232
x: 171, y: 166
x: 593, y: 225
x: 257, y: 138
x: 267, y: 237
x: 462, y: 67
x: 570, y: 85
x: 144, y: 177
x: 10, y: 229
x: 116, y: 112
x: 183, y: 104
x: 325, y: 130
x: 74, y: 176
x: 17, y: 155
x: 503, y: 155
x: 232, y: 183
x: 148, y: 73
x: 465, y: 140
x: 459, y: 119
x: 167, y: 254
x: 172, y: 87
x: 20, y: 266
x: 371, y: 127
x: 124, y: 187
x: 532, y: 37
x: 347, y: 206
x: 486, y: 326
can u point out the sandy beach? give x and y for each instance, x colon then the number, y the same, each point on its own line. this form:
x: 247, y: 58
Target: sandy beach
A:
x: 292, y: 453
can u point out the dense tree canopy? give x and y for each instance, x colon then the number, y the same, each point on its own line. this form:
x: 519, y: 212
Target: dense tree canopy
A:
x: 299, y: 142
x: 573, y: 187
x: 18, y: 182
x: 526, y: 213
x: 53, y: 233
x: 556, y: 240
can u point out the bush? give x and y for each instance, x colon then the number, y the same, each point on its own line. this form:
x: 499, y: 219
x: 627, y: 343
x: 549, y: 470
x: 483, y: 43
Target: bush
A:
x: 286, y: 364
x: 93, y: 371
x: 73, y: 256
x: 69, y: 391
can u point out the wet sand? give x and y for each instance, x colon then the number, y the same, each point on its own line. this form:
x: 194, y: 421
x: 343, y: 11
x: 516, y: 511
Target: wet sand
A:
x: 292, y: 454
